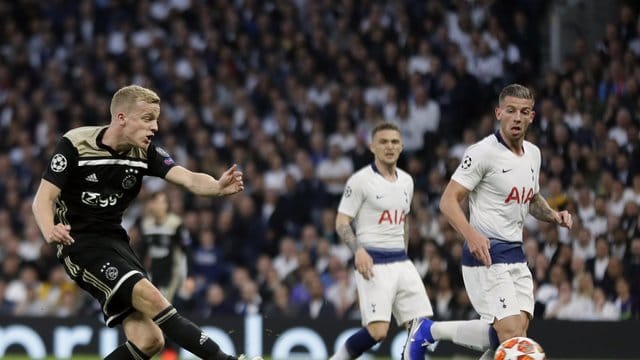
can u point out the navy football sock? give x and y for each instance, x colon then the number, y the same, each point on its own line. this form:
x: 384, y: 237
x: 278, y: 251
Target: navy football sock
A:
x: 494, y: 341
x: 360, y: 342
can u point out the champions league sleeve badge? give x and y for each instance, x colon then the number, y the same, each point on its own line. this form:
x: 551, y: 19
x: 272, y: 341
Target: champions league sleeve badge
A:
x: 58, y: 163
x: 167, y: 158
x: 466, y: 162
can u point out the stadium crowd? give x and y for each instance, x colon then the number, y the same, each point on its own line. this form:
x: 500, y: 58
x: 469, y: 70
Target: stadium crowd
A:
x: 289, y: 91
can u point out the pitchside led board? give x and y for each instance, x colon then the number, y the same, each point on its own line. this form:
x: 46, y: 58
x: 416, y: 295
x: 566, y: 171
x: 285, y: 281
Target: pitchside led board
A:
x: 303, y: 339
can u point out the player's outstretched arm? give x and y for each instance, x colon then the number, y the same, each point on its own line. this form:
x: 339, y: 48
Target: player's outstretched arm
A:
x: 540, y: 209
x: 42, y: 207
x: 206, y: 185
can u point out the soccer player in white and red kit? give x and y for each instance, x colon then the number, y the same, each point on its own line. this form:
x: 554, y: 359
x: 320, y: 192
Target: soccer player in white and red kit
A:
x: 377, y: 199
x: 499, y: 174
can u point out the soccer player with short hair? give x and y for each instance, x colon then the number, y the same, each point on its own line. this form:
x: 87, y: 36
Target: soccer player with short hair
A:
x: 499, y: 174
x: 93, y: 176
x: 377, y: 198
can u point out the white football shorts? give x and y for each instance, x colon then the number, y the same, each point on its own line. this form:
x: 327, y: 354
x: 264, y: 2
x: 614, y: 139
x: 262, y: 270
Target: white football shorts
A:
x: 395, y: 288
x: 500, y: 290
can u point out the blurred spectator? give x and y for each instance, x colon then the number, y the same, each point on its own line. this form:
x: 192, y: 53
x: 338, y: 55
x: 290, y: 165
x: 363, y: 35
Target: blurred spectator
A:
x: 604, y: 309
x: 249, y: 302
x: 625, y: 301
x: 280, y: 307
x: 216, y: 303
x: 573, y: 306
x: 6, y: 306
x: 318, y: 307
x: 287, y: 260
x: 342, y: 292
x: 334, y: 171
x: 549, y: 290
x: 585, y: 246
x: 598, y: 264
x: 208, y: 261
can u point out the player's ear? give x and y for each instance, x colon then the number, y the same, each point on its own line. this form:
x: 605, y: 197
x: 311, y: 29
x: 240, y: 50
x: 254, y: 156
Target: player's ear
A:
x: 121, y: 118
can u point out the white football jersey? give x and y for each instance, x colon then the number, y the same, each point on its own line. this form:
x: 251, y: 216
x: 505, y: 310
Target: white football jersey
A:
x: 379, y: 207
x: 501, y: 186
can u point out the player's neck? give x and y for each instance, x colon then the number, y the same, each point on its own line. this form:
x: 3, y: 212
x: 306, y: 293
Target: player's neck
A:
x: 515, y: 145
x: 388, y: 171
x: 110, y: 139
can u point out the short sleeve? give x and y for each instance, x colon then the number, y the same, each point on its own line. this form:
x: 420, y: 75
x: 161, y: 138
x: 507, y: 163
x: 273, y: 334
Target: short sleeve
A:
x: 538, y: 159
x: 159, y: 161
x: 472, y: 168
x: 352, y: 198
x: 62, y: 163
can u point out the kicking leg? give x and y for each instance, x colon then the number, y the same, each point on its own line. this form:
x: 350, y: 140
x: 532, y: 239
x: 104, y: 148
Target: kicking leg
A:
x: 147, y: 299
x: 474, y: 334
x: 144, y: 339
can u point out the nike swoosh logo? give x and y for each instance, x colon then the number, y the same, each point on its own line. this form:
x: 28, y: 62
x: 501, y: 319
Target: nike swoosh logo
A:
x: 506, y: 170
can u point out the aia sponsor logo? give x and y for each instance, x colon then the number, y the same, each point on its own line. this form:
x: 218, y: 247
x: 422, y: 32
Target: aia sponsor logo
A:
x: 392, y: 217
x: 519, y: 195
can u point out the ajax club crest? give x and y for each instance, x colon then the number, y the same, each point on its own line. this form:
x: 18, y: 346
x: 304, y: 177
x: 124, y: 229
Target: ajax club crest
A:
x: 130, y: 179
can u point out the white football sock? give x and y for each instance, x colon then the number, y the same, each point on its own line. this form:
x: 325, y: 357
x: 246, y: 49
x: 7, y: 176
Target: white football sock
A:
x: 488, y: 355
x: 341, y: 354
x: 473, y: 334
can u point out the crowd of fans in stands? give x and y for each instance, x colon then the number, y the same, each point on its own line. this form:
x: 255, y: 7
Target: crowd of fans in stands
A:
x: 290, y: 90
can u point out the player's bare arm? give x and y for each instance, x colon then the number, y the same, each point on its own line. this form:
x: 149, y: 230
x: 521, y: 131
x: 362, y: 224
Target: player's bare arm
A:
x: 362, y: 259
x: 450, y: 206
x: 206, y: 185
x: 540, y: 209
x: 43, y: 208
x: 345, y: 231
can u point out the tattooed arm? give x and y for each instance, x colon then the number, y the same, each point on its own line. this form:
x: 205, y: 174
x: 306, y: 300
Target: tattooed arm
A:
x: 540, y: 209
x: 345, y: 231
x: 362, y: 260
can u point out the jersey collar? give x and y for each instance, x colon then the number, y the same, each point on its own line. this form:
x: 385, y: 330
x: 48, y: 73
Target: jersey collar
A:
x: 501, y: 140
x: 375, y: 169
x: 107, y: 147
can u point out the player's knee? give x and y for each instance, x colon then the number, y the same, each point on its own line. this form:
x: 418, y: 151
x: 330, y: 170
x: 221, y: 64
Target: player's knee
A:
x: 510, y: 327
x: 507, y: 332
x: 152, y: 344
x: 378, y: 333
x: 147, y: 299
x: 379, y: 337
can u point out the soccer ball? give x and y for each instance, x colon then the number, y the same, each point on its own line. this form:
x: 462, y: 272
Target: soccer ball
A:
x: 519, y: 348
